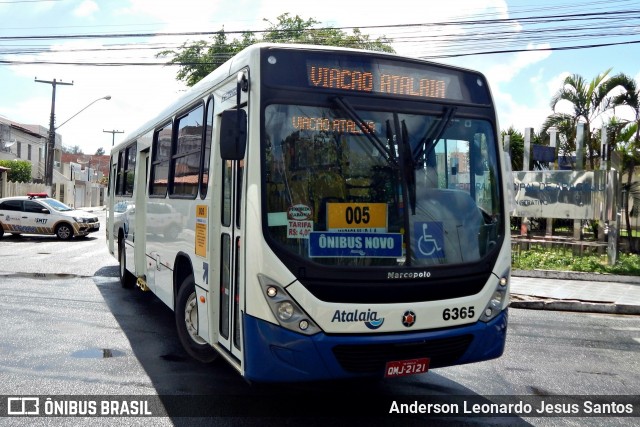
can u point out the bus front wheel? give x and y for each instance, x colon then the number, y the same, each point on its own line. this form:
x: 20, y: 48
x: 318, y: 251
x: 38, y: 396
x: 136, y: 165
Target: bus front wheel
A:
x: 187, y: 323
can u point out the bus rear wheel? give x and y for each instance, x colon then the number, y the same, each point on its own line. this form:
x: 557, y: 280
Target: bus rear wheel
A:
x: 126, y: 278
x: 186, y: 313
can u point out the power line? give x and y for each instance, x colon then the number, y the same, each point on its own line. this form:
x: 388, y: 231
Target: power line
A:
x: 28, y: 1
x: 436, y: 56
x: 532, y: 50
x: 531, y: 19
x: 481, y: 37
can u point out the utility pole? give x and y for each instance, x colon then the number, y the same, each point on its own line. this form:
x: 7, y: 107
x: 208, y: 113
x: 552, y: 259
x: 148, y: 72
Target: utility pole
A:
x: 51, y: 142
x: 113, y: 135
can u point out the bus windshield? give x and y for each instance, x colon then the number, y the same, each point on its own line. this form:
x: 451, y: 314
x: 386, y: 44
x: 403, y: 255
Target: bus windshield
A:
x: 357, y: 187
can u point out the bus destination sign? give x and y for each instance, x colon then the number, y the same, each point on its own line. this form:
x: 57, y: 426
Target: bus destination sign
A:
x: 365, y: 74
x: 393, y: 82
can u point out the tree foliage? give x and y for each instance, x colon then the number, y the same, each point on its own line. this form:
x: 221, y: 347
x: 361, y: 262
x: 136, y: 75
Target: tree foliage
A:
x: 198, y: 59
x: 628, y: 139
x: 516, y: 147
x: 72, y: 150
x: 20, y: 170
x: 588, y: 100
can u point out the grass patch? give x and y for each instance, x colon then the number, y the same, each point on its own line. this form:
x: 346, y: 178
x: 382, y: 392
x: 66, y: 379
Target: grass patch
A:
x: 552, y: 259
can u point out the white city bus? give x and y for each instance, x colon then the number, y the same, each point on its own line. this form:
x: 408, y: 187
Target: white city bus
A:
x: 313, y: 212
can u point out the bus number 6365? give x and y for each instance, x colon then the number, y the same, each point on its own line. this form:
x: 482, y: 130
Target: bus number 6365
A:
x: 458, y: 313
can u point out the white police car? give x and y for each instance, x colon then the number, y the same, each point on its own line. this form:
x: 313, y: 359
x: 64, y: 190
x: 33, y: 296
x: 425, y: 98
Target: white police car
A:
x: 37, y: 213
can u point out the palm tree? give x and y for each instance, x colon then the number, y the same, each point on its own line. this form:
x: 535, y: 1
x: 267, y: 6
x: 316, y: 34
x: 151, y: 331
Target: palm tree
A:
x: 630, y: 155
x: 630, y: 137
x: 566, y: 129
x: 588, y: 100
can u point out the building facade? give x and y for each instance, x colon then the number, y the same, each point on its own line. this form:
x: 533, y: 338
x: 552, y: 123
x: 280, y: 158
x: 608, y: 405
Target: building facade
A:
x: 78, y: 179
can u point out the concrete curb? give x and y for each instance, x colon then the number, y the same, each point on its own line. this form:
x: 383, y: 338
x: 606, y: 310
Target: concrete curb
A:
x: 577, y: 275
x: 534, y: 303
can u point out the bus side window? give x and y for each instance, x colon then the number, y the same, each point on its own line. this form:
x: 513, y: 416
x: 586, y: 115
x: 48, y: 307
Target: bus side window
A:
x: 185, y: 163
x: 120, y: 174
x: 160, y: 163
x: 129, y: 169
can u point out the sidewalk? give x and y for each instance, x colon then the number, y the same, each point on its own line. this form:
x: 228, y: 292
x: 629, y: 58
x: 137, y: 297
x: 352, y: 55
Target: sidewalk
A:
x: 573, y: 291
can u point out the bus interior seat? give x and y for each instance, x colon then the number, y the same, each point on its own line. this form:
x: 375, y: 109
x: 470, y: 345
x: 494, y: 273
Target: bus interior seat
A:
x: 461, y: 218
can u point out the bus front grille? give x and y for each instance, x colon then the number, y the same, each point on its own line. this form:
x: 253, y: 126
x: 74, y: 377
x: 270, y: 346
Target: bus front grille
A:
x: 372, y: 358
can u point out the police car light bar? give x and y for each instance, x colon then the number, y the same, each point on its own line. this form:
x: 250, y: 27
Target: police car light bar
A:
x: 36, y: 195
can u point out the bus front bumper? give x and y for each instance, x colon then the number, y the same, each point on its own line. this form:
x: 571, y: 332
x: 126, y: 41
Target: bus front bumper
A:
x: 275, y: 354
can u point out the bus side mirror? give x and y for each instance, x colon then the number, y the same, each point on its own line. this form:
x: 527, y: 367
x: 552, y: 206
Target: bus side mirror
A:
x: 233, y: 134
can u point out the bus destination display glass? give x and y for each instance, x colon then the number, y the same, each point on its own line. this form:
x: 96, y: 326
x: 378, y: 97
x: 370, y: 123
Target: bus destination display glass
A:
x: 372, y: 75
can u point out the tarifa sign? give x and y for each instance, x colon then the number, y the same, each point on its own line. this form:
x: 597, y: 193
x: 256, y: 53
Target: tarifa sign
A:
x: 564, y: 194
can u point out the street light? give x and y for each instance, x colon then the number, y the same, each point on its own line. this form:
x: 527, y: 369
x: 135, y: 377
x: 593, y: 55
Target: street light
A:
x: 52, y: 138
x: 108, y: 97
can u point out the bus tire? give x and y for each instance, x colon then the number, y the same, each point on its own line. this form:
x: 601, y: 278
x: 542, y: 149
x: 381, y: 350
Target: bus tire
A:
x: 126, y: 278
x: 186, y: 313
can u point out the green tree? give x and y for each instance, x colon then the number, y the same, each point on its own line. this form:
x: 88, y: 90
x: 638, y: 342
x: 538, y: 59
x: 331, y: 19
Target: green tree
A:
x: 589, y: 100
x: 629, y: 137
x: 20, y: 170
x: 198, y: 59
x: 72, y: 150
x: 295, y: 30
x: 100, y: 151
x: 566, y: 131
x: 516, y: 147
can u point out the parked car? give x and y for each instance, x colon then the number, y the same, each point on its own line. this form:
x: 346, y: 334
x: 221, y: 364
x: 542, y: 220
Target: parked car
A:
x: 162, y: 218
x: 37, y: 213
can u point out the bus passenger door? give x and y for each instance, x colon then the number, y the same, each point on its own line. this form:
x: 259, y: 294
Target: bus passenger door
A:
x: 230, y: 273
x: 140, y: 248
x: 112, y: 231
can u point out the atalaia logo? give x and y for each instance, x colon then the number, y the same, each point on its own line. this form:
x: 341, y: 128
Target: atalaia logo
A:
x: 369, y: 317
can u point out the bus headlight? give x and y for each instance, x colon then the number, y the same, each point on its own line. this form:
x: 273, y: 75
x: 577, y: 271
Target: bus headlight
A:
x: 498, y: 299
x: 287, y: 312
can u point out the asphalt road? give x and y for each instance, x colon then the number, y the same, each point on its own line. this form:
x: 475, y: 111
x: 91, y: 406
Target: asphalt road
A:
x: 70, y: 329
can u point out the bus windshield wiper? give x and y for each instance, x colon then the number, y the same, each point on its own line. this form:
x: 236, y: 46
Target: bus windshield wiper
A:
x: 366, y: 131
x: 435, y: 133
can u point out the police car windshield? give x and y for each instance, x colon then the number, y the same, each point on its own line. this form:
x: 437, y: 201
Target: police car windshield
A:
x: 56, y: 205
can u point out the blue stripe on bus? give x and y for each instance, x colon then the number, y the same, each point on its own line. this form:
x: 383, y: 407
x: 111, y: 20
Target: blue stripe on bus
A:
x: 275, y: 354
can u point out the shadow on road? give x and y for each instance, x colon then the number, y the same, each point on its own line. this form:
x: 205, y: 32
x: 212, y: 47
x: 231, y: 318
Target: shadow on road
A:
x: 217, y: 390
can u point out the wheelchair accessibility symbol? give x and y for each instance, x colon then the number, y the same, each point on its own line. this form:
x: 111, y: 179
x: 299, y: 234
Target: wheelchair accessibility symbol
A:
x: 430, y: 240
